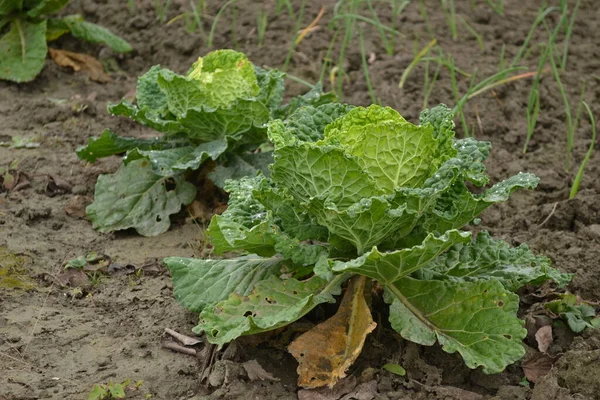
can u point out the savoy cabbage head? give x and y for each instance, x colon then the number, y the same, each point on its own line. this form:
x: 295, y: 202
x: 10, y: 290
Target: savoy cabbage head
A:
x: 362, y: 191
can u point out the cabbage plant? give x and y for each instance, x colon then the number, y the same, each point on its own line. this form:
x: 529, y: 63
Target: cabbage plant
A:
x: 218, y: 111
x: 362, y: 191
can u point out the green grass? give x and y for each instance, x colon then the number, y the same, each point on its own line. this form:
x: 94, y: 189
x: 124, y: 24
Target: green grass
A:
x: 365, y: 66
x: 588, y: 155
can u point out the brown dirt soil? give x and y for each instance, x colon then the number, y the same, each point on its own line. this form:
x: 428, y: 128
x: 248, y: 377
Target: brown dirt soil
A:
x: 57, y: 342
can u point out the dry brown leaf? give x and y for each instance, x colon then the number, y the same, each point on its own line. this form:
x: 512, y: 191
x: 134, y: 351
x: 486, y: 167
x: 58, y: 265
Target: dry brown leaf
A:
x: 325, y: 352
x: 80, y: 62
x: 340, y: 389
x: 544, y: 338
x: 537, y: 366
x: 76, y: 206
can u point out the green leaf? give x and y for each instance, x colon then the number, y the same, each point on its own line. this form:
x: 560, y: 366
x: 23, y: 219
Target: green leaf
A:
x: 89, y: 32
x: 389, y: 267
x: 8, y: 6
x: 392, y: 151
x: 201, y: 283
x: 367, y: 223
x: 149, y: 94
x: 273, y: 303
x: 309, y: 171
x: 136, y: 197
x: 224, y: 76
x: 314, y: 97
x: 240, y: 165
x: 395, y: 369
x: 146, y: 117
x: 23, y: 51
x: 55, y: 28
x: 477, y: 319
x: 234, y: 122
x: 226, y: 235
x: 486, y: 258
x: 308, y: 123
x: 270, y: 82
x: 457, y: 206
x: 98, y: 393
x: 170, y: 162
x: 109, y: 143
x: 46, y: 7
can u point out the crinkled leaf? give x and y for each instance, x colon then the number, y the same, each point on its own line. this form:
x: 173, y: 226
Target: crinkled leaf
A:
x: 89, y: 32
x: 149, y: 93
x: 46, y: 7
x: 308, y: 123
x: 110, y: 143
x: 201, y: 283
x: 314, y: 97
x: 309, y: 171
x: 235, y: 121
x: 55, y: 28
x: 293, y: 218
x: 457, y: 206
x: 477, y: 319
x: 392, y: 151
x: 224, y: 76
x: 227, y: 235
x: 271, y: 86
x: 136, y: 197
x: 389, y: 267
x: 146, y: 117
x: 240, y: 165
x: 486, y: 258
x: 23, y: 51
x: 273, y: 303
x: 170, y: 162
x: 366, y: 223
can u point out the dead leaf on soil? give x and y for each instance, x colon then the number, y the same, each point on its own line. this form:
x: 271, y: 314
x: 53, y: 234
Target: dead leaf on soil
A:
x: 80, y: 62
x: 325, y: 352
x: 57, y: 185
x: 544, y: 338
x: 537, y: 366
x: 341, y: 388
x: 255, y: 372
x: 76, y: 206
x: 73, y: 278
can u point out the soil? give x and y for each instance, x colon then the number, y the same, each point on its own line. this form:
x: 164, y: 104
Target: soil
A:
x: 57, y: 341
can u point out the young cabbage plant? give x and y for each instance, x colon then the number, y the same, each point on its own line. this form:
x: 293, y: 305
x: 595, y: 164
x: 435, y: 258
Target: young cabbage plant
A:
x: 26, y: 26
x: 218, y: 111
x: 361, y: 194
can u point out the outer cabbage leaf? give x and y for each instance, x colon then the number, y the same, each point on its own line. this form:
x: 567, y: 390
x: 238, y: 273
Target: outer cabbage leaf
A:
x: 486, y: 258
x: 389, y: 267
x: 110, y: 143
x: 95, y: 33
x: 136, y: 197
x: 8, y: 6
x: 477, y: 319
x: 170, y: 162
x: 23, y: 51
x: 308, y: 123
x: 149, y: 94
x: 457, y: 206
x: 270, y: 82
x: 45, y: 7
x: 200, y: 283
x: 314, y: 97
x: 237, y: 166
x: 273, y: 303
x: 146, y: 117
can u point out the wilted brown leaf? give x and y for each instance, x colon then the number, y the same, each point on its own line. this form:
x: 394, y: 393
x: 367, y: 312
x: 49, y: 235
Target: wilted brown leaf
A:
x: 76, y: 206
x: 73, y: 277
x: 80, y: 62
x: 544, y: 338
x: 537, y: 366
x: 327, y: 350
x: 341, y: 388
